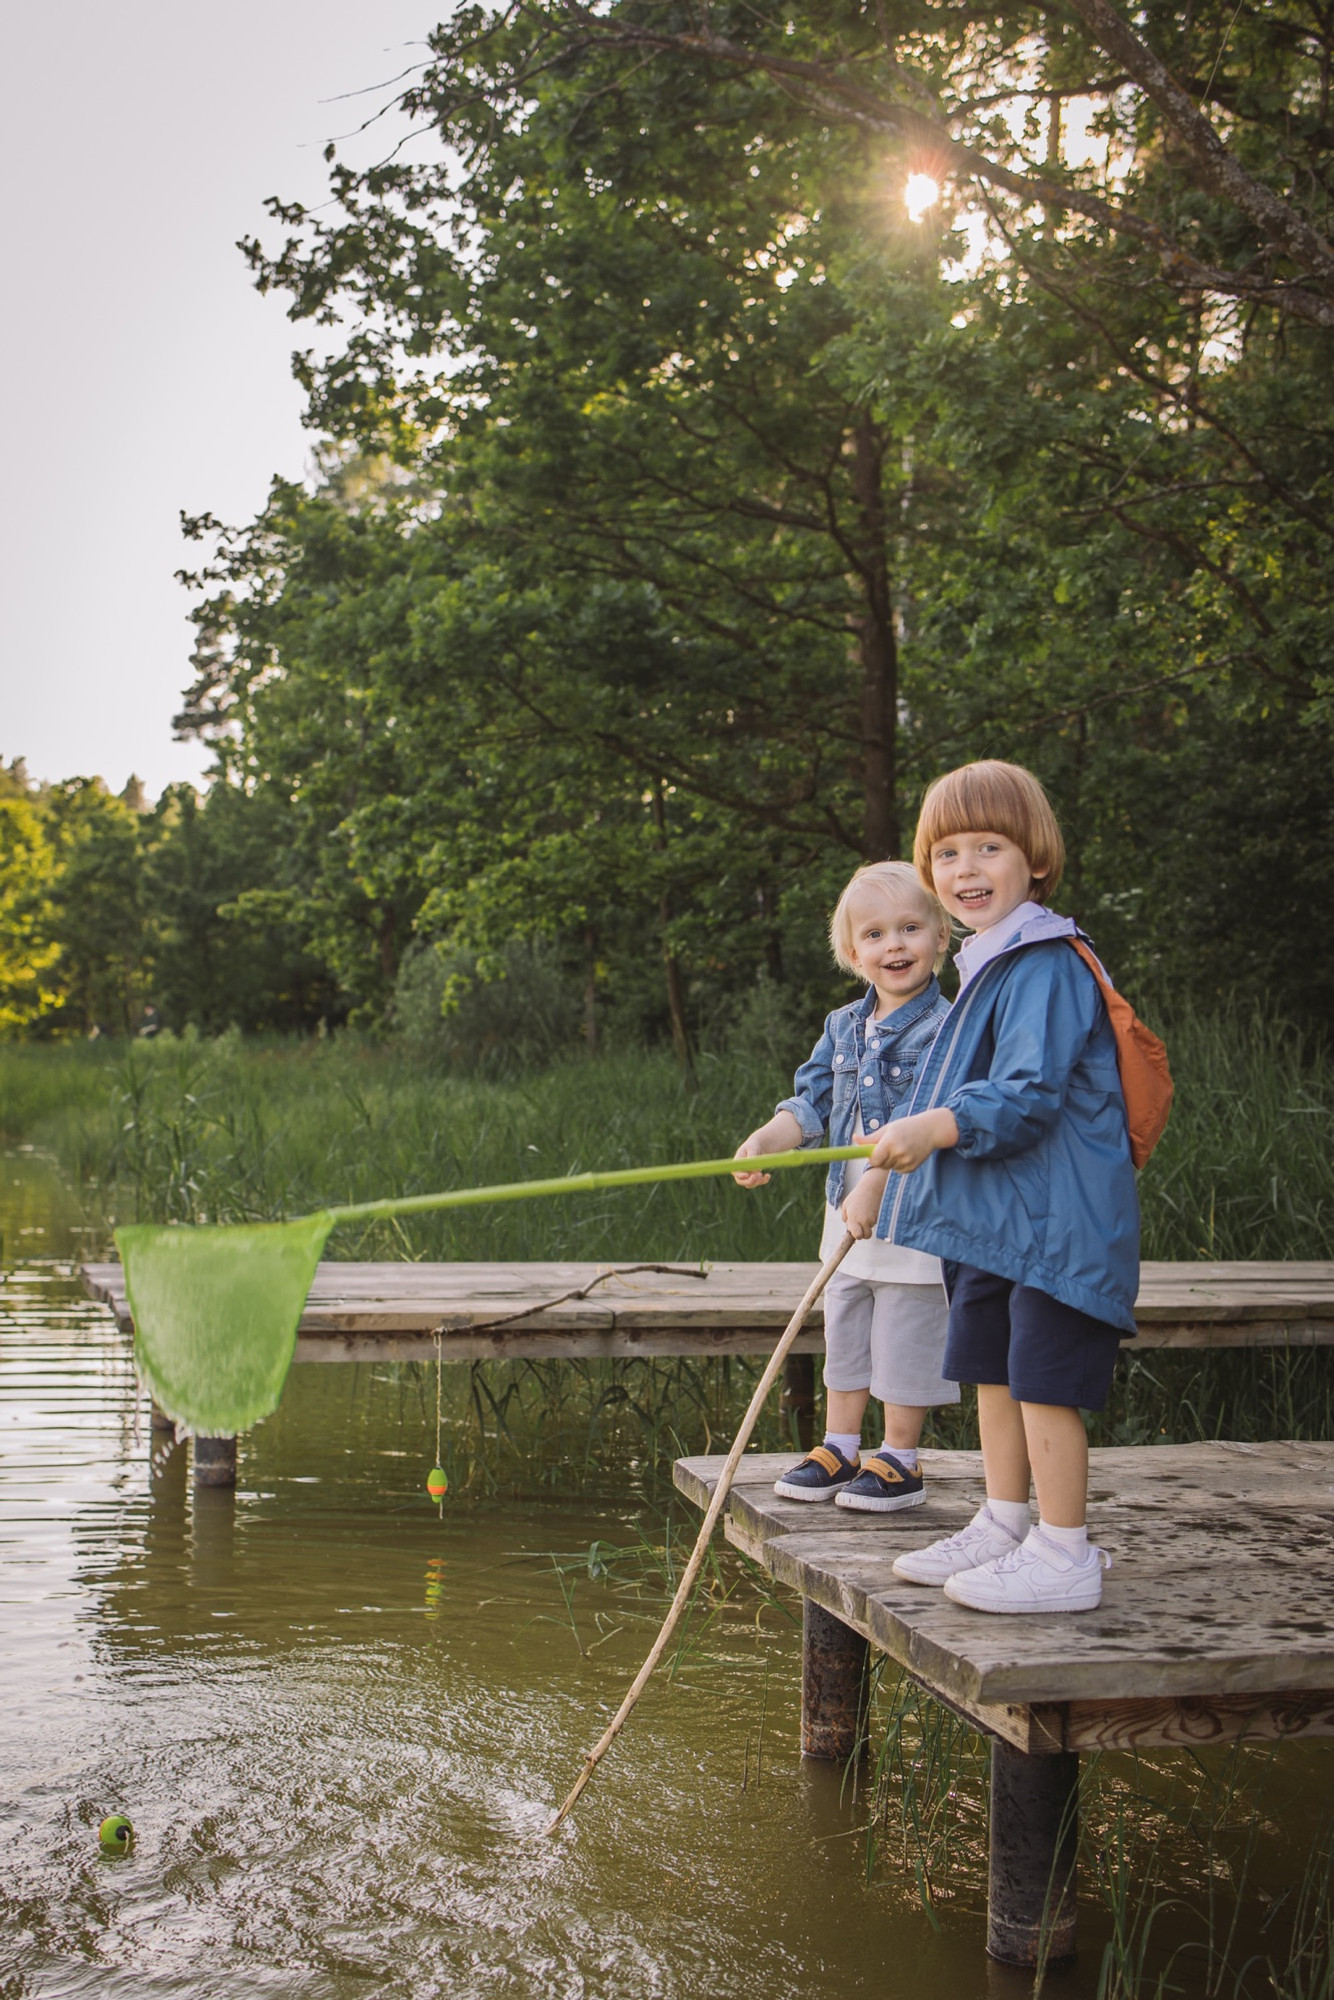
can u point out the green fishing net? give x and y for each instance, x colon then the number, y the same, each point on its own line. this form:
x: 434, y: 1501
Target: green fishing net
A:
x: 216, y: 1310
x: 216, y: 1313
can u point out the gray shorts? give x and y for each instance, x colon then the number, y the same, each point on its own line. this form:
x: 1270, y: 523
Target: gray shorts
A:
x: 890, y: 1337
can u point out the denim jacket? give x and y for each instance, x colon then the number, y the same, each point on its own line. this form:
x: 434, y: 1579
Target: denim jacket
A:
x: 1040, y: 1187
x: 862, y: 1065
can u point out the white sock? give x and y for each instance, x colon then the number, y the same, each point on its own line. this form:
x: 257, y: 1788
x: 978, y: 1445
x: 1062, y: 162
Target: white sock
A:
x: 906, y: 1454
x: 1012, y: 1515
x: 1075, y: 1541
x: 847, y: 1442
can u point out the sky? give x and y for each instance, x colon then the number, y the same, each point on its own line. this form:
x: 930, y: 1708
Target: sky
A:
x: 145, y: 374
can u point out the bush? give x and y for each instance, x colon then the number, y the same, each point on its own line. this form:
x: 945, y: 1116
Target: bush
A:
x: 448, y: 1016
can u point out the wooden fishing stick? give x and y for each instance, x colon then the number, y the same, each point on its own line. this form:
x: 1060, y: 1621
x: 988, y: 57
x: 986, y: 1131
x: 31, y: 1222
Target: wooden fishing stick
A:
x: 715, y: 1508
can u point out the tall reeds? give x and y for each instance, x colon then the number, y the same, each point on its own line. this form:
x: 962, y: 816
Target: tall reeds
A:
x: 225, y: 1131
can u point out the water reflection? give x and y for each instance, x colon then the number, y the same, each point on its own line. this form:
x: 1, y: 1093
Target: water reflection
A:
x: 339, y: 1720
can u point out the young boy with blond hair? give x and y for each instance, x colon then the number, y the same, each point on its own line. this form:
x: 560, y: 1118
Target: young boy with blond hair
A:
x: 1012, y: 1163
x: 885, y: 1311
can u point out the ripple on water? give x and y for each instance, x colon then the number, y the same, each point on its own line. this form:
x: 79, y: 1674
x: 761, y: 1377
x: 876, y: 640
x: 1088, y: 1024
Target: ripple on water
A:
x: 339, y: 1725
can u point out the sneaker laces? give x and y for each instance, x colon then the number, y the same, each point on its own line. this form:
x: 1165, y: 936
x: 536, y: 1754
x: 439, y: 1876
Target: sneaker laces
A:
x: 966, y: 1537
x: 1031, y: 1550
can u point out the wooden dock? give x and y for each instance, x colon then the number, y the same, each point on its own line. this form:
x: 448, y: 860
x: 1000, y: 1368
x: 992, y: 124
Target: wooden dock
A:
x: 1217, y: 1623
x: 529, y: 1311
x: 500, y: 1312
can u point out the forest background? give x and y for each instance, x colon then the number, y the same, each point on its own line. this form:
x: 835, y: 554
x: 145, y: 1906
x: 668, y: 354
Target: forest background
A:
x: 685, y: 501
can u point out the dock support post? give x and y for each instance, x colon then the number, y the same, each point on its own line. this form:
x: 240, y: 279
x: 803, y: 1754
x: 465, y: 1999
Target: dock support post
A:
x: 833, y: 1684
x: 797, y: 1405
x: 215, y: 1461
x: 1034, y: 1839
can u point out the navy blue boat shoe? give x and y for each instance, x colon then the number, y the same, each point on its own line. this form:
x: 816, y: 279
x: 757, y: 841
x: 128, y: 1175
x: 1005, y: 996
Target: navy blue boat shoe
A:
x: 821, y: 1476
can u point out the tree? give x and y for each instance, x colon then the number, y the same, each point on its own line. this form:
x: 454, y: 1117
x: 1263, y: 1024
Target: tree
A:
x: 718, y: 510
x: 27, y: 949
x: 938, y: 83
x: 98, y: 918
x: 229, y: 946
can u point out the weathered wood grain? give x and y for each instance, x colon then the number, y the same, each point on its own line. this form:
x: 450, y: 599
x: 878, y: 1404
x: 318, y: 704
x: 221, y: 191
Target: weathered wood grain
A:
x: 1223, y: 1482
x: 541, y: 1344
x: 359, y: 1311
x: 1196, y: 1720
x: 1219, y: 1606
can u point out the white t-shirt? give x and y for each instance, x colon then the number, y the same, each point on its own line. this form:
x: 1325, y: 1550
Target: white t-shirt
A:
x: 885, y: 1263
x: 979, y: 949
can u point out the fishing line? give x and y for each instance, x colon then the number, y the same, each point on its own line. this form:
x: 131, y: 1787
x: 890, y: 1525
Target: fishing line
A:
x: 439, y: 1371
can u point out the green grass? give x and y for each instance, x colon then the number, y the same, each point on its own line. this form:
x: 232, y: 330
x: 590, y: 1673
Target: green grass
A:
x: 225, y: 1131
x: 195, y: 1131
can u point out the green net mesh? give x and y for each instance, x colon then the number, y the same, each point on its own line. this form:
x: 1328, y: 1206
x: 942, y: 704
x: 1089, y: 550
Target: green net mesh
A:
x: 216, y: 1313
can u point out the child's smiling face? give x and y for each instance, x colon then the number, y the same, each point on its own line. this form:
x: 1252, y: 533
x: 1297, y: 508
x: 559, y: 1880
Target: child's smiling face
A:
x: 895, y: 943
x: 980, y: 877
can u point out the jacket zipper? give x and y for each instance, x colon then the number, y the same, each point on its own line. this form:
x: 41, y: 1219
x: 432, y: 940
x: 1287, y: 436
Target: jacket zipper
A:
x: 957, y: 1016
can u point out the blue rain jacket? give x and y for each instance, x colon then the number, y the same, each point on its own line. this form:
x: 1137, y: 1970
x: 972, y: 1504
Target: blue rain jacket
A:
x: 861, y: 1065
x: 1040, y: 1187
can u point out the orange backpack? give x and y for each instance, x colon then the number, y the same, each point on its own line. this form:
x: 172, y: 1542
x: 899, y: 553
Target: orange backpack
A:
x: 1146, y: 1081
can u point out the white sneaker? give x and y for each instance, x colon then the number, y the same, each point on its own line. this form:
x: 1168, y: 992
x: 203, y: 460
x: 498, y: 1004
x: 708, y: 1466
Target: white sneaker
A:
x: 982, y: 1541
x: 1036, y: 1575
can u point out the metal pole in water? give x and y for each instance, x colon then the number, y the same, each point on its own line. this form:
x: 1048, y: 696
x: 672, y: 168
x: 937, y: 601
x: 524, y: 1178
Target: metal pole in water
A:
x: 1034, y: 1838
x: 215, y: 1461
x: 834, y: 1662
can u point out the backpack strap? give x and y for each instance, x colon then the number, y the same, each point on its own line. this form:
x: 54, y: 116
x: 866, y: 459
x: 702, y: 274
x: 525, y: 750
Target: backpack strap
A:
x: 1146, y: 1080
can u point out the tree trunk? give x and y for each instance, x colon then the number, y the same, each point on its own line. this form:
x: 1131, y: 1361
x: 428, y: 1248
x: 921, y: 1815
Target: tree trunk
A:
x: 877, y: 651
x: 676, y: 1005
x: 767, y: 902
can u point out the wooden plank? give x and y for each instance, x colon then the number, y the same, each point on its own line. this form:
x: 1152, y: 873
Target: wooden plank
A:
x: 1233, y: 1332
x: 536, y: 1344
x: 367, y: 1332
x: 1163, y: 1629
x: 361, y: 1311
x: 1223, y: 1481
x: 1247, y: 1633
x: 1196, y: 1720
x: 1222, y: 1589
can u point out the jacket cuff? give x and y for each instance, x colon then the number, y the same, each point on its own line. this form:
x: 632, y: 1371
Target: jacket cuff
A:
x: 812, y: 1128
x: 967, y: 1143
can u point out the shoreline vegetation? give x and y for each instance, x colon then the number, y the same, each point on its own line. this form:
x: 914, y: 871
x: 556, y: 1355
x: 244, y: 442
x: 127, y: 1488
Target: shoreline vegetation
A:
x: 192, y: 1130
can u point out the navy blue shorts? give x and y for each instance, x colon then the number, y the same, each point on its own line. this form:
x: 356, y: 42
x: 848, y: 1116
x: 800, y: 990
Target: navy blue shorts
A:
x: 1043, y: 1351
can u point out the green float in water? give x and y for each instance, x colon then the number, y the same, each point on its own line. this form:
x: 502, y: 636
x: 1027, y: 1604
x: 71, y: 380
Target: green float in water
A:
x: 216, y: 1310
x: 115, y: 1835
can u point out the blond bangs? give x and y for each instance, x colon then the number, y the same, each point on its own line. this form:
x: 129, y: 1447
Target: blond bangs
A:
x: 893, y: 878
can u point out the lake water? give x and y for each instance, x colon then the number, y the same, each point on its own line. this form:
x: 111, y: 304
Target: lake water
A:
x: 340, y: 1721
